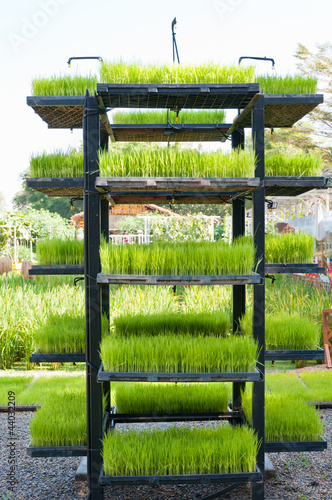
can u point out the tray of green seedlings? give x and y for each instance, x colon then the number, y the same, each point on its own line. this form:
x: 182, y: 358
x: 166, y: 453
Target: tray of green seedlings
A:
x: 152, y: 402
x: 175, y: 345
x: 68, y: 164
x: 301, y: 165
x: 288, y: 84
x: 136, y: 72
x: 185, y: 116
x: 157, y: 455
x: 291, y: 424
x: 65, y: 85
x: 62, y: 334
x: 289, y: 248
x: 184, y: 259
x: 56, y: 251
x: 59, y: 427
x: 175, y: 162
x: 286, y: 331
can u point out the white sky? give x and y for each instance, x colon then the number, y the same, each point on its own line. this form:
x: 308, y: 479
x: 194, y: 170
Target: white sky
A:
x: 38, y: 36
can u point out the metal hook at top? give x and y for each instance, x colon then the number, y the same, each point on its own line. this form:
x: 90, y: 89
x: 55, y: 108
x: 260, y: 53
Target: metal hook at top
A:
x: 175, y: 47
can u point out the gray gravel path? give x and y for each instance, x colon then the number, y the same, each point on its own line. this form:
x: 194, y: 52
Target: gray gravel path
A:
x: 299, y: 476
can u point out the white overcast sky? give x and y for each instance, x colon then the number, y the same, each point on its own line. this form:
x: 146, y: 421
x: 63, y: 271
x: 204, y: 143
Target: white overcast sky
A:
x: 38, y: 36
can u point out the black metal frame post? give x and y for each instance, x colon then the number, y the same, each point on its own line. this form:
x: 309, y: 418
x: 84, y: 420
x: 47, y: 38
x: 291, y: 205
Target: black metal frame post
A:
x: 239, y: 291
x: 91, y: 144
x: 258, y: 399
x: 105, y: 288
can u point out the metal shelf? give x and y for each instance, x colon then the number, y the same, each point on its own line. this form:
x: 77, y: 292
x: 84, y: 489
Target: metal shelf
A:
x: 175, y: 189
x: 293, y: 268
x: 283, y: 355
x: 292, y: 446
x: 57, y: 186
x: 47, y: 270
x: 241, y: 477
x: 131, y: 279
x: 56, y: 451
x: 103, y: 376
x: 59, y: 111
x: 293, y: 186
x: 121, y: 418
x: 181, y: 96
x: 39, y: 357
x: 283, y: 110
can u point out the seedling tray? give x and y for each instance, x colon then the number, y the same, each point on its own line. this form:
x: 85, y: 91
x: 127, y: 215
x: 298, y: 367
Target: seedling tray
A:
x: 131, y: 279
x: 291, y: 446
x: 58, y: 270
x: 293, y: 268
x: 240, y: 477
x: 103, y: 376
x: 59, y: 186
x: 56, y: 451
x: 39, y: 357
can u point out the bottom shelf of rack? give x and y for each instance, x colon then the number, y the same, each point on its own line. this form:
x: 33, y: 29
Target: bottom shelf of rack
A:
x: 56, y: 451
x: 240, y: 477
x: 292, y: 446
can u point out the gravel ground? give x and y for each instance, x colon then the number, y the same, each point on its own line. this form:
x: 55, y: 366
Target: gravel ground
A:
x: 299, y: 476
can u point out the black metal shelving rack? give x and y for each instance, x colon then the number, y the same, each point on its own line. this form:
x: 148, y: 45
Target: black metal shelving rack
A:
x: 89, y: 112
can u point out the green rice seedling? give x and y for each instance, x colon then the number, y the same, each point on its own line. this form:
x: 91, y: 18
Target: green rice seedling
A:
x: 185, y: 258
x: 288, y: 84
x: 14, y: 384
x: 308, y: 164
x: 288, y: 248
x: 173, y: 162
x: 64, y: 334
x: 319, y: 385
x: 60, y: 251
x: 57, y: 164
x: 136, y: 72
x: 217, y: 324
x: 210, y: 450
x: 141, y: 397
x: 185, y: 116
x: 61, y: 421
x: 285, y: 331
x: 178, y: 354
x: 286, y: 420
x: 63, y: 85
x: 46, y: 387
